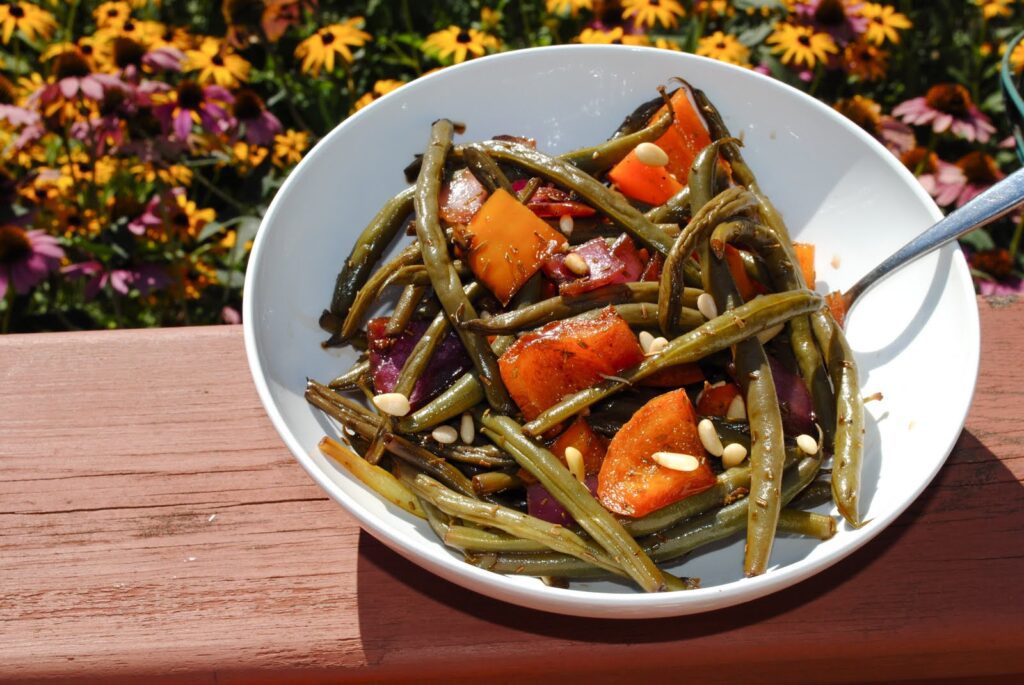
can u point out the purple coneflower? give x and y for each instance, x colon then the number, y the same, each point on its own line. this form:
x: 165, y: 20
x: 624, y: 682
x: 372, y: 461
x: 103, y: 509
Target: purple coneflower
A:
x: 840, y: 19
x: 191, y: 104
x: 260, y: 125
x: 980, y: 172
x: 26, y: 257
x: 942, y: 180
x: 73, y: 78
x: 144, y: 278
x: 947, y: 107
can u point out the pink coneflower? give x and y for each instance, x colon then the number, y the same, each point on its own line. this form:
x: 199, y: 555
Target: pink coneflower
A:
x: 144, y: 278
x: 841, y: 19
x: 260, y: 125
x: 866, y: 113
x: 942, y: 180
x: 980, y: 172
x: 73, y: 78
x: 26, y: 258
x: 191, y: 104
x: 947, y: 107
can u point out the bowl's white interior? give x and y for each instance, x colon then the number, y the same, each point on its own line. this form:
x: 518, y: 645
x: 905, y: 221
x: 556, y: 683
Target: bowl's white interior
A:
x: 836, y: 187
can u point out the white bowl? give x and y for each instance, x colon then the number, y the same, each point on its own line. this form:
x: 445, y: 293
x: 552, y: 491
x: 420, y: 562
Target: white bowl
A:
x: 915, y: 335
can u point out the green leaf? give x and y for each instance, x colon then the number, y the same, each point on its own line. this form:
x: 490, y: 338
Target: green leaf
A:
x: 978, y: 240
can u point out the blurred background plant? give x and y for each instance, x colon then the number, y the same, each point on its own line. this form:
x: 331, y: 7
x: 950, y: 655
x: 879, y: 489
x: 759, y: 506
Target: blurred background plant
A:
x: 143, y: 139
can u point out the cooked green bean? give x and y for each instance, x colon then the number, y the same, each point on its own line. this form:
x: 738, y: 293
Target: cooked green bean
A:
x: 529, y: 189
x: 428, y: 462
x: 416, y: 274
x: 676, y: 209
x: 817, y: 493
x: 369, y: 247
x: 578, y: 501
x: 610, y: 203
x: 478, y: 540
x: 717, y: 334
x: 486, y: 456
x: 406, y: 306
x: 597, y: 159
x: 849, y: 440
x: 486, y: 170
x: 807, y: 524
x: 348, y: 380
x: 645, y: 316
x: 445, y: 281
x: 374, y: 477
x: 439, y: 522
x: 371, y: 290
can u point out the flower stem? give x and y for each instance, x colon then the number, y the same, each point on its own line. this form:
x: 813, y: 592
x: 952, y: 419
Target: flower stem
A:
x: 9, y: 311
x: 206, y: 183
x: 1018, y: 231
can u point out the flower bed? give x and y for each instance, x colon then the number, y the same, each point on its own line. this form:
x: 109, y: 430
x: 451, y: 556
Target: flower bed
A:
x: 143, y: 139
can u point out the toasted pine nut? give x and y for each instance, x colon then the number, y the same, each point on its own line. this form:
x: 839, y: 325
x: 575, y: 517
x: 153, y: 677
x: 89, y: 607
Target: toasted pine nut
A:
x: 651, y: 155
x: 709, y: 437
x: 467, y: 430
x: 576, y: 264
x: 737, y: 410
x: 706, y: 306
x: 445, y: 435
x: 733, y: 455
x: 676, y: 461
x: 574, y: 458
x: 566, y: 224
x: 671, y: 230
x: 393, y: 403
x: 646, y: 338
x: 657, y: 345
x: 807, y: 444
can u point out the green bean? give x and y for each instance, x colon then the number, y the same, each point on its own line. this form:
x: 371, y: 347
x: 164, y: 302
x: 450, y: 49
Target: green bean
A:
x: 513, y: 522
x: 477, y: 540
x: 486, y: 170
x: 682, y: 538
x: 610, y: 203
x: 369, y: 247
x: 807, y: 524
x: 428, y: 462
x: 675, y: 210
x: 416, y: 274
x: 597, y: 159
x: 638, y: 118
x: 439, y: 522
x: 495, y: 481
x: 529, y: 189
x: 717, y: 334
x: 645, y: 316
x: 443, y: 278
x: 817, y: 493
x: 348, y: 380
x: 374, y: 477
x: 849, y: 440
x: 368, y: 294
x: 405, y: 308
x: 577, y: 500
x: 486, y: 456
x: 461, y: 396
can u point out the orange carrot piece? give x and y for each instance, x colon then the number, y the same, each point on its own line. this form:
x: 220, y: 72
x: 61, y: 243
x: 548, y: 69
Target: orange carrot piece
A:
x: 651, y: 184
x: 835, y: 303
x: 508, y: 243
x: 631, y: 483
x: 714, y: 400
x: 747, y: 288
x: 805, y: 257
x: 675, y: 376
x: 591, y: 445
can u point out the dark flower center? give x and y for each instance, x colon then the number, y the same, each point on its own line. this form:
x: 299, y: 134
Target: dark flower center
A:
x: 217, y: 60
x: 248, y: 12
x: 180, y: 219
x: 617, y: 41
x: 74, y: 220
x: 190, y: 95
x: 830, y: 13
x: 86, y: 50
x: 804, y: 40
x: 721, y: 45
x: 129, y: 26
x: 979, y: 168
x: 113, y: 12
x: 70, y: 64
x: 128, y: 52
x: 919, y: 160
x: 463, y: 37
x: 247, y: 105
x: 17, y: 12
x: 995, y: 262
x: 327, y: 37
x: 113, y: 98
x: 6, y: 91
x: 860, y: 113
x: 14, y: 244
x: 654, y: 3
x: 951, y: 98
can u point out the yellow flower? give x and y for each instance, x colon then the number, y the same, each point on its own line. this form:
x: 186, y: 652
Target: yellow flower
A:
x: 647, y: 13
x: 246, y: 157
x: 883, y: 23
x: 568, y: 7
x: 862, y: 111
x: 1017, y: 57
x: 320, y: 49
x: 990, y: 9
x: 289, y: 147
x: 185, y: 218
x: 70, y: 220
x: 724, y: 47
x: 715, y: 8
x: 217, y: 63
x: 458, y: 43
x: 27, y: 18
x: 109, y: 14
x: 615, y: 36
x: 865, y: 61
x: 800, y: 45
x: 380, y: 88
x: 667, y: 44
x: 490, y: 19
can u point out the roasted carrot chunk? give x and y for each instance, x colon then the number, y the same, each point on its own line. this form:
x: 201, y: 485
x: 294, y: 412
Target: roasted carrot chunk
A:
x: 564, y: 357
x: 714, y: 400
x: 508, y: 243
x: 591, y: 445
x: 631, y: 483
x: 651, y: 184
x: 675, y: 376
x: 805, y: 256
x: 837, y: 306
x: 744, y: 284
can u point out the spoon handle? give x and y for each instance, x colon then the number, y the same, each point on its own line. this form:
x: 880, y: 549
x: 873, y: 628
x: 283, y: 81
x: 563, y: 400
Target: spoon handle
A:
x: 995, y: 202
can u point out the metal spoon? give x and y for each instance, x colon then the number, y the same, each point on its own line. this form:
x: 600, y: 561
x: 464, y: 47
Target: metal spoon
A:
x: 994, y: 203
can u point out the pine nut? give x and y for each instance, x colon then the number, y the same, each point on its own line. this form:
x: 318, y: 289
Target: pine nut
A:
x: 709, y: 437
x: 651, y: 155
x: 807, y: 444
x: 574, y: 459
x: 467, y: 429
x: 671, y: 230
x: 733, y: 455
x: 565, y: 225
x: 646, y: 338
x: 574, y: 263
x: 706, y: 306
x: 393, y: 403
x: 676, y: 461
x: 657, y: 345
x: 445, y: 435
x: 737, y: 410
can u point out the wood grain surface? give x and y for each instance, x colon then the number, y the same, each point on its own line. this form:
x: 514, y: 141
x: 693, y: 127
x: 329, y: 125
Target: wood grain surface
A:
x: 154, y: 529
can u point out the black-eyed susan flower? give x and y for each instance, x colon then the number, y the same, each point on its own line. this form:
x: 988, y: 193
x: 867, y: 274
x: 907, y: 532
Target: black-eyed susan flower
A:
x: 1017, y: 57
x: 866, y: 113
x: 840, y: 19
x: 865, y: 61
x: 614, y: 36
x: 884, y: 23
x: 568, y: 7
x: 648, y: 13
x: 109, y: 14
x: 246, y: 157
x: 380, y: 88
x: 490, y: 19
x: 289, y: 147
x: 714, y: 9
x: 457, y: 44
x: 801, y: 46
x: 191, y: 104
x: 217, y: 63
x: 251, y: 112
x: 992, y: 9
x: 323, y: 48
x: 947, y: 107
x: 724, y: 47
x: 667, y: 44
x: 31, y: 20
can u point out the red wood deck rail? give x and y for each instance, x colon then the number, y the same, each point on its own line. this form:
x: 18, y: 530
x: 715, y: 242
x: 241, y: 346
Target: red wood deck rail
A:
x: 153, y: 528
